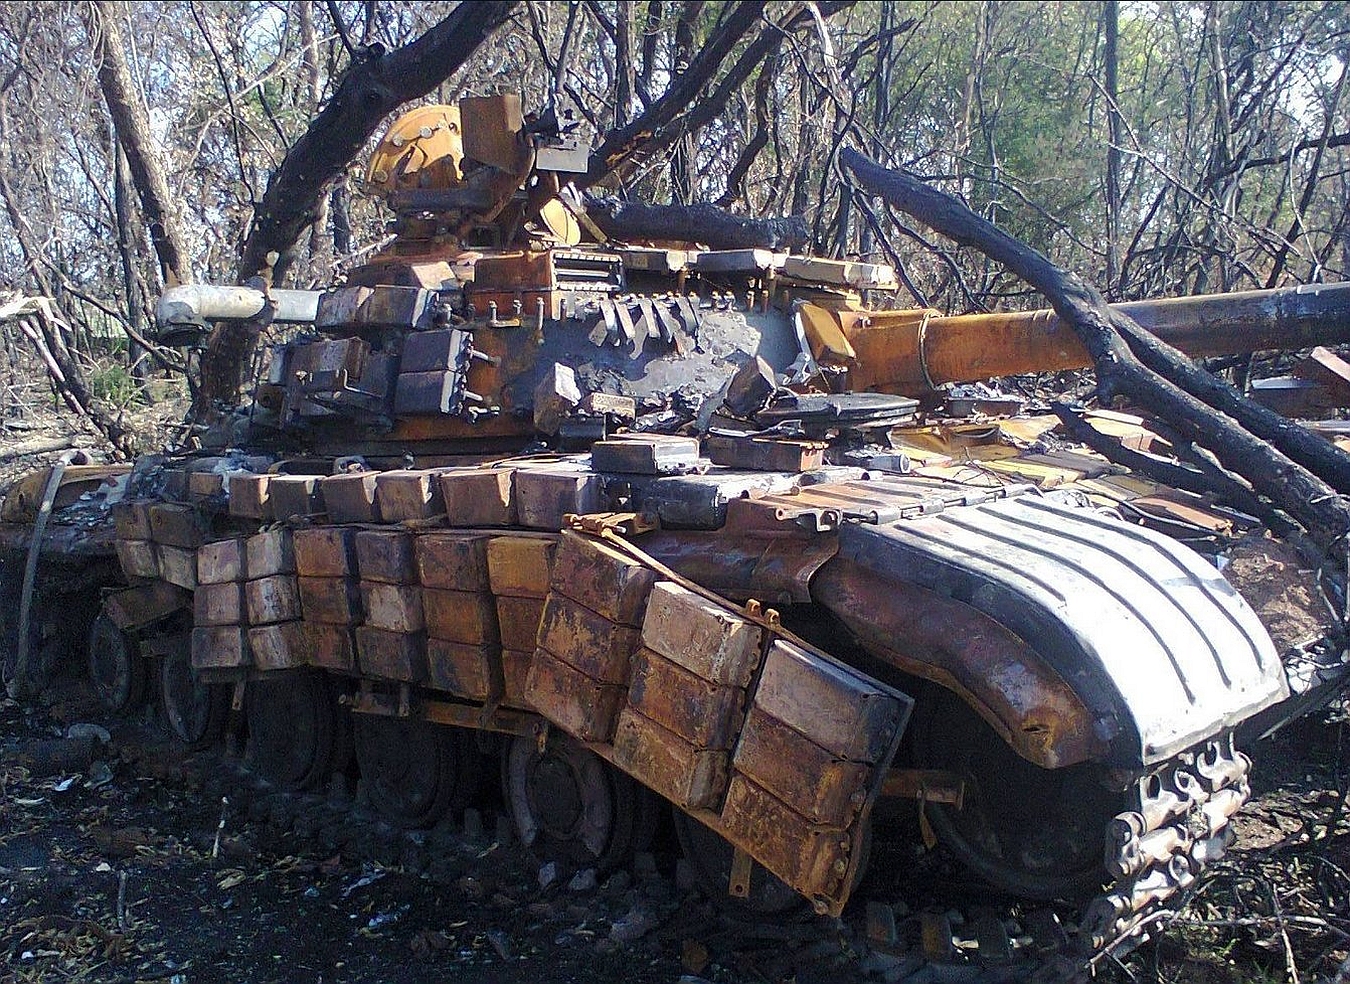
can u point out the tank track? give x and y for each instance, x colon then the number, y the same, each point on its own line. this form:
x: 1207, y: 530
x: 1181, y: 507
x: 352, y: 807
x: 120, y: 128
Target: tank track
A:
x: 1180, y: 823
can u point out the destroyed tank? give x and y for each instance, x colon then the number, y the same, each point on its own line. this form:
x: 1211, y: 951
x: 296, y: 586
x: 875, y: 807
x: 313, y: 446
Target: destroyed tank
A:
x: 635, y: 520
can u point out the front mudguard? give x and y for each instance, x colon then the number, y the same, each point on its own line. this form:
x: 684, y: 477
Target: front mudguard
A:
x: 1077, y: 636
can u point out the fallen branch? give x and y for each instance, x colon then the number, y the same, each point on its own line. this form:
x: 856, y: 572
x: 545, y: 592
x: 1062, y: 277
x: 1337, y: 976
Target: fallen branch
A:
x: 1169, y: 473
x: 701, y: 223
x: 36, y: 447
x: 1120, y: 370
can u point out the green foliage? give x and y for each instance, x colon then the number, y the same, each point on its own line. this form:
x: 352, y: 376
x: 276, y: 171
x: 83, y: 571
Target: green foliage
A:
x: 114, y: 384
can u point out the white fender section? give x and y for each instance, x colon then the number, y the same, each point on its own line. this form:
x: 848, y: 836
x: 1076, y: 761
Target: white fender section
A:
x: 1163, y: 649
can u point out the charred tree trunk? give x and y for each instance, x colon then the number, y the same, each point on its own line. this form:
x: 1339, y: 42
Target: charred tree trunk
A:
x: 701, y: 223
x: 1110, y: 54
x: 624, y: 74
x: 133, y: 135
x: 1133, y: 363
x: 128, y: 234
x: 682, y: 176
x: 758, y: 141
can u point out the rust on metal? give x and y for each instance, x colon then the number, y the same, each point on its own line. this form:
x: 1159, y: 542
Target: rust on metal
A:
x: 925, y: 785
x: 914, y: 352
x: 942, y: 640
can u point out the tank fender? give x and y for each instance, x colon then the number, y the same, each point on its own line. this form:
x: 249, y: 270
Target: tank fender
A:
x: 1148, y: 637
x: 940, y: 639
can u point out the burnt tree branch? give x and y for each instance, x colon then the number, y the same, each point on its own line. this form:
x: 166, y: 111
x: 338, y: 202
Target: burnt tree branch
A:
x: 699, y: 223
x: 1178, y: 476
x: 1120, y: 371
x: 685, y: 107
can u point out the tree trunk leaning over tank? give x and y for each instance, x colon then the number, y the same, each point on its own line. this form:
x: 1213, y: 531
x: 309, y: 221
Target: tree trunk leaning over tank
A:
x: 1131, y: 362
x: 371, y: 89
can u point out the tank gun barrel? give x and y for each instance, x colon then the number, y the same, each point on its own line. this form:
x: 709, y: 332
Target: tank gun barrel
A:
x: 912, y: 352
x: 198, y: 304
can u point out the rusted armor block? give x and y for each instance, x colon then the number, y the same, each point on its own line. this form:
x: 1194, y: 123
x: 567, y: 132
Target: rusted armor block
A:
x: 602, y: 579
x: 175, y: 484
x: 406, y: 494
x: 250, y: 497
x: 269, y: 553
x: 599, y: 648
x: 428, y: 351
x: 427, y: 392
x: 842, y: 711
x: 178, y: 565
x: 646, y: 454
x: 143, y: 604
x: 278, y: 647
x: 222, y: 646
x: 391, y: 655
x: 325, y: 551
x: 700, y: 712
x: 294, y: 495
x: 820, y: 786
x: 204, y: 484
x: 520, y: 566
x: 452, y: 561
x: 811, y: 858
x: 221, y: 561
x: 608, y: 404
x: 330, y: 647
x: 573, y: 701
x: 395, y: 607
x: 703, y: 637
x: 330, y: 600
x: 764, y: 454
x: 386, y: 555
x: 131, y: 519
x: 471, y: 672
x: 350, y: 498
x: 467, y: 617
x: 479, y: 496
x: 544, y: 497
x: 139, y: 558
x: 177, y: 526
x: 218, y: 604
x: 681, y: 772
x: 518, y: 620
x: 515, y: 672
x: 272, y: 599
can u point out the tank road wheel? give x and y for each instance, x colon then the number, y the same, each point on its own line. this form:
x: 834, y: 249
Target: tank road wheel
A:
x: 116, y: 667
x: 194, y: 712
x: 414, y: 771
x: 710, y: 855
x: 294, y: 737
x: 570, y: 805
x: 1034, y: 832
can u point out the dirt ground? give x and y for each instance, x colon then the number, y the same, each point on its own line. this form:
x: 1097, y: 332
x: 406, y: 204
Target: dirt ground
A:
x: 140, y: 862
x: 148, y: 864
